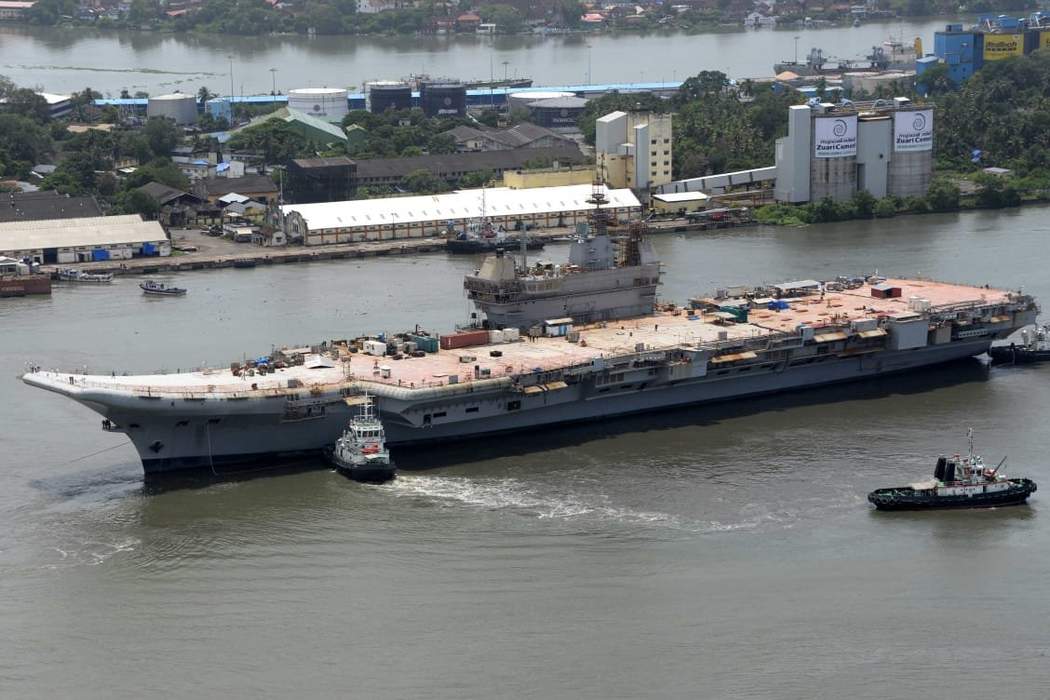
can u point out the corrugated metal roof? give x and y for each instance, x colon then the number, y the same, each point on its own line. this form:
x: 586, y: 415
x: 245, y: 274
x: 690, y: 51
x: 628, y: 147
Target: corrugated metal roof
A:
x: 875, y: 333
x: 734, y: 357
x: 74, y: 233
x: 499, y: 202
x: 830, y: 337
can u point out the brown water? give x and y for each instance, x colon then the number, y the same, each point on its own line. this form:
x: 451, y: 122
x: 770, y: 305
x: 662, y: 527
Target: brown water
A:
x: 721, y: 552
x: 61, y: 59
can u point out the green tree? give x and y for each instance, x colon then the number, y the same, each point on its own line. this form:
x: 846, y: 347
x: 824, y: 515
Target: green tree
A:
x: 138, y: 202
x: 507, y: 18
x: 864, y: 204
x: 943, y: 195
x: 277, y: 140
x: 162, y: 135
x: 885, y: 208
x: 424, y: 182
x: 23, y: 143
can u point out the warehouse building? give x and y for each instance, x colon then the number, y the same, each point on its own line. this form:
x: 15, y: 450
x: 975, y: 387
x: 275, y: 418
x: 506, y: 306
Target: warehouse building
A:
x: 46, y: 204
x: 884, y: 147
x: 65, y: 241
x: 430, y: 215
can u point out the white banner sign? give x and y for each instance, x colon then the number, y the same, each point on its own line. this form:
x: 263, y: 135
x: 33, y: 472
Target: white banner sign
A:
x: 913, y: 131
x: 834, y: 137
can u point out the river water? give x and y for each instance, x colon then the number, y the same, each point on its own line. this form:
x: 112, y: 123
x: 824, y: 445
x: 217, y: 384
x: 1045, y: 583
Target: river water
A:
x: 720, y: 552
x: 67, y: 59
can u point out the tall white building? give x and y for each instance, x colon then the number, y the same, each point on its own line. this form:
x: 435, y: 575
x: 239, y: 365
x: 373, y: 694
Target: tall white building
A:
x: 633, y: 149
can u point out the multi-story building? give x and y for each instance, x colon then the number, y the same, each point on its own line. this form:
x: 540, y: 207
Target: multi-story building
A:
x: 633, y: 149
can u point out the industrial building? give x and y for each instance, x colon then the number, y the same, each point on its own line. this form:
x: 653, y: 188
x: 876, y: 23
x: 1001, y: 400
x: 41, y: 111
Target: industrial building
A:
x: 327, y: 104
x: 524, y: 135
x: 430, y: 215
x: 452, y: 167
x: 48, y: 204
x: 261, y: 188
x: 65, y: 241
x: 383, y: 95
x: 884, y: 147
x: 306, y: 125
x: 443, y: 99
x: 178, y: 106
x: 965, y: 51
x: 633, y: 149
x: 561, y: 113
x: 321, y: 179
x: 521, y: 100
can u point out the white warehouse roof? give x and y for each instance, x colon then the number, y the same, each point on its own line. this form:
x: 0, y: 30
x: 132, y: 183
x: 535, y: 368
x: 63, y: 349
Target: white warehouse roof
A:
x: 499, y: 202
x: 673, y: 197
x: 78, y: 233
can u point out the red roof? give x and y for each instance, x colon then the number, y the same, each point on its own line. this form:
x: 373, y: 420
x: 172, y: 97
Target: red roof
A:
x: 468, y: 17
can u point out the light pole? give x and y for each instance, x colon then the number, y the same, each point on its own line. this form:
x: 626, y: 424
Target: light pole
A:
x: 796, y: 50
x: 273, y: 74
x: 588, y: 64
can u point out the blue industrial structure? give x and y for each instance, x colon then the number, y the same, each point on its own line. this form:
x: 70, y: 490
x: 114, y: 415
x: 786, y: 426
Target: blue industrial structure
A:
x: 962, y: 51
x: 220, y: 106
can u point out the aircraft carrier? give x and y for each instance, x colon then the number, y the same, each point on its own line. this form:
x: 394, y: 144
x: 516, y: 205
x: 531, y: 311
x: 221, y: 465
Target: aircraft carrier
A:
x: 553, y: 350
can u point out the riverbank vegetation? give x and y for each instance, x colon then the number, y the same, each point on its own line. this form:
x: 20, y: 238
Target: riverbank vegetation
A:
x: 260, y: 17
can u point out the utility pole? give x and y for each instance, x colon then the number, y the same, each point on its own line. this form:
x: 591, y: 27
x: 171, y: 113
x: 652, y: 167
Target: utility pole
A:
x: 588, y: 64
x: 505, y: 64
x: 230, y: 57
x: 796, y: 50
x: 273, y: 74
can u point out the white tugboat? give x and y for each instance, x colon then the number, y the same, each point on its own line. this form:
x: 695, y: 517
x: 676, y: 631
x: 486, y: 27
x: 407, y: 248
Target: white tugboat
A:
x: 361, y: 451
x: 958, y: 482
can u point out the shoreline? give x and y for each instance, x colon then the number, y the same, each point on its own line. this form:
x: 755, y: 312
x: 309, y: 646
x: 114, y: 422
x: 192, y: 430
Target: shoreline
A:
x: 260, y: 256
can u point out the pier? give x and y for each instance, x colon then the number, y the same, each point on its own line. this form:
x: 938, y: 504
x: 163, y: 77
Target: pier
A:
x: 232, y: 254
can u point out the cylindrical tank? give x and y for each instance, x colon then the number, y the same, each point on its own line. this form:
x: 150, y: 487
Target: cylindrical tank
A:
x: 382, y: 95
x: 521, y: 100
x: 324, y: 103
x: 443, y: 99
x: 560, y: 112
x: 178, y: 106
x: 911, y: 163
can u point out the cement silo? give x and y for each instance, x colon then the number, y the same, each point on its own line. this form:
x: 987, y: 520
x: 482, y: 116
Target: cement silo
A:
x: 381, y: 95
x: 178, y: 106
x: 911, y: 163
x: 329, y: 104
x: 833, y: 169
x: 443, y: 99
x: 521, y: 100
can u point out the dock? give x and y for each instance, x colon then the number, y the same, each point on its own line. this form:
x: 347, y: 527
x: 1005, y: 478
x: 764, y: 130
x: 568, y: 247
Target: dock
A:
x: 253, y: 256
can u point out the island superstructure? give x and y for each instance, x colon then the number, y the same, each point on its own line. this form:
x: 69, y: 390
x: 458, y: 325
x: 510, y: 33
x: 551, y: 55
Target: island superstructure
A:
x: 604, y: 360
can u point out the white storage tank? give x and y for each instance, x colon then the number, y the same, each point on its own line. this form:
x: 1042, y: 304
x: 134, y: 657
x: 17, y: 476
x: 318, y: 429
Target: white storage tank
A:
x: 178, y: 106
x: 521, y: 100
x: 324, y: 103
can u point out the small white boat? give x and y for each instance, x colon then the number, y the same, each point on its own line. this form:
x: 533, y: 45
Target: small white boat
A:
x: 69, y: 274
x: 361, y: 451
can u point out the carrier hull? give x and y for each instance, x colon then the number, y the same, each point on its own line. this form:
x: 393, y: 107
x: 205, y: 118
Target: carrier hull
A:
x: 256, y: 435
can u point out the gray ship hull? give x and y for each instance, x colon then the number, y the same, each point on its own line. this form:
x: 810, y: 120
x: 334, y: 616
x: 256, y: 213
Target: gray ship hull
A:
x: 256, y: 434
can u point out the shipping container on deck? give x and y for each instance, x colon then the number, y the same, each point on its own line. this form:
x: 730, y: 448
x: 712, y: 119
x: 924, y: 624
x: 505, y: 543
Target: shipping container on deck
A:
x: 464, y: 340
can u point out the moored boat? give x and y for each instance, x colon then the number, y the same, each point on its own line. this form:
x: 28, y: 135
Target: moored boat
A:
x: 70, y: 274
x: 19, y: 278
x: 360, y: 452
x: 958, y: 482
x: 158, y: 289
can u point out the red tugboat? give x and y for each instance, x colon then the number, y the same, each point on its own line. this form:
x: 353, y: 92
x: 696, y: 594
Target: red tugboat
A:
x: 958, y: 482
